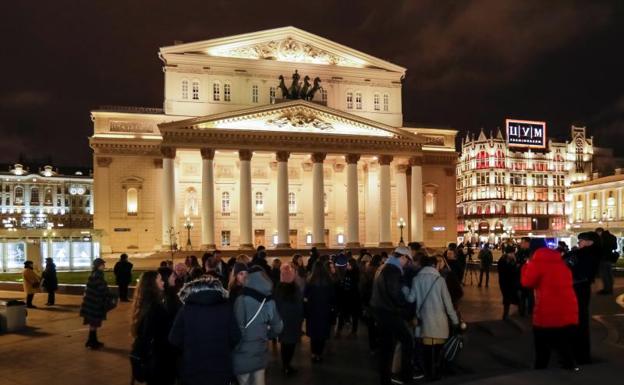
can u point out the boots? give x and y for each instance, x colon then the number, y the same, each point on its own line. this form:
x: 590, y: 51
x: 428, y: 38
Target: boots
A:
x: 93, y: 342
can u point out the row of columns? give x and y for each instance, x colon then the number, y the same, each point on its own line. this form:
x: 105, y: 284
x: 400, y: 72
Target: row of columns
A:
x: 318, y: 202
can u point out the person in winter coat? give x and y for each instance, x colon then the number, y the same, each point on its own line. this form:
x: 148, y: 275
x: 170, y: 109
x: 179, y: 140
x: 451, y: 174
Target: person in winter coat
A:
x: 319, y: 303
x: 276, y: 271
x: 258, y: 320
x: 205, y: 331
x: 508, y: 279
x: 556, y: 314
x: 453, y: 284
x: 97, y: 301
x: 32, y: 282
x: 237, y: 280
x: 151, y: 325
x: 289, y: 300
x: 298, y: 265
x: 366, y: 291
x: 390, y: 308
x: 314, y: 256
x: 351, y: 303
x: 486, y: 259
x: 123, y: 276
x: 584, y: 262
x: 49, y: 281
x: 434, y: 309
x: 527, y: 297
x: 608, y: 256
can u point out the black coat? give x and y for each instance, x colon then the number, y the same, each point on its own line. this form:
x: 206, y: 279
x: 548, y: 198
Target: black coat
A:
x: 290, y: 307
x: 584, y: 263
x: 206, y: 332
x: 94, y: 302
x: 49, y: 279
x: 123, y: 272
x: 387, y: 295
x: 348, y: 294
x: 319, y: 309
x: 509, y: 280
x: 152, y: 344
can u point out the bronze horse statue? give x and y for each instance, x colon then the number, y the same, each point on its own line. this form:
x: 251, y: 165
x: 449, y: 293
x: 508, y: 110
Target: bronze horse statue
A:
x: 294, y: 87
x: 304, y: 89
x: 314, y: 89
x: 282, y: 86
x: 298, y: 91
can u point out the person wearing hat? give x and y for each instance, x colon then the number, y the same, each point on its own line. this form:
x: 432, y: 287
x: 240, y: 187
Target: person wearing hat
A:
x: 389, y: 307
x: 584, y: 262
x: 97, y: 301
x: 49, y: 281
x: 237, y: 280
x: 31, y: 283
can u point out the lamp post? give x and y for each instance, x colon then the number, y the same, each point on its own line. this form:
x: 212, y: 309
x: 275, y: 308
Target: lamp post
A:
x: 401, y: 225
x: 188, y: 225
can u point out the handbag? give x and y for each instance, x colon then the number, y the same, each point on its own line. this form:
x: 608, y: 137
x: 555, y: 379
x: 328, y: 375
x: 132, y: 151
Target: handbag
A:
x: 418, y: 329
x: 452, y: 347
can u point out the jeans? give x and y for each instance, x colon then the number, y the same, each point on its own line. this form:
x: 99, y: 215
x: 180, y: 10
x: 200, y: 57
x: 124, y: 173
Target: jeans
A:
x: 527, y: 301
x: 485, y: 270
x: 606, y: 274
x: 255, y: 378
x: 559, y: 339
x: 392, y: 330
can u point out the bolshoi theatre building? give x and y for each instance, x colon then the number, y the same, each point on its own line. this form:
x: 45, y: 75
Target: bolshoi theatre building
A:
x: 279, y: 138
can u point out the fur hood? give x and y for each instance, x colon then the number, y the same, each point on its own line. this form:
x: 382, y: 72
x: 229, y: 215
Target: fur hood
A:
x: 203, y: 291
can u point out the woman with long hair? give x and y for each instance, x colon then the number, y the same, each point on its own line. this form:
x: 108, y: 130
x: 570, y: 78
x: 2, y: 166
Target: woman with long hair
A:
x: 319, y: 301
x: 151, y: 324
x: 238, y: 277
x: 97, y: 301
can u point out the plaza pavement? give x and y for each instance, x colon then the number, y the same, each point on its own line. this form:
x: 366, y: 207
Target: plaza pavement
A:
x: 52, y: 350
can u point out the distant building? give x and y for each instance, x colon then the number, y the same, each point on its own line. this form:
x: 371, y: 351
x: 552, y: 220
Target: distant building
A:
x: 46, y: 211
x: 505, y: 191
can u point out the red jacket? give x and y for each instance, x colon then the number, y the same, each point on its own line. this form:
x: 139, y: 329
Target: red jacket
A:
x: 555, y: 301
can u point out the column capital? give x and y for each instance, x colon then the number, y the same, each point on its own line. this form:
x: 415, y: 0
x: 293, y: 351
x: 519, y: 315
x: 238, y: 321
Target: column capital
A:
x: 104, y: 161
x: 402, y: 168
x: 282, y: 156
x: 168, y: 152
x: 385, y: 160
x: 318, y: 157
x: 207, y: 153
x: 245, y: 154
x: 352, y: 158
x: 416, y: 161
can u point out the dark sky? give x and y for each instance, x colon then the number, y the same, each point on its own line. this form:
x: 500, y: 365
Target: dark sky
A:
x: 470, y: 63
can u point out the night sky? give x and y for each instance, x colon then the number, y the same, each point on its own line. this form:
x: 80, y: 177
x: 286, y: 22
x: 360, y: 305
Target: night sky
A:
x: 469, y: 64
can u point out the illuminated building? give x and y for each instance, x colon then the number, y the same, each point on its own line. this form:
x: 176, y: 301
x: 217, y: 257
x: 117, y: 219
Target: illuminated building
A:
x: 505, y: 191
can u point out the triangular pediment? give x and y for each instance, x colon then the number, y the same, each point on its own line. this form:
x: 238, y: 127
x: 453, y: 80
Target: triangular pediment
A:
x: 288, y: 44
x: 297, y: 116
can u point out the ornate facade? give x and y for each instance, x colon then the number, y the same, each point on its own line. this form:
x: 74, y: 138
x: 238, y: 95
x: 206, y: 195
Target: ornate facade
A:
x: 503, y: 192
x: 249, y: 150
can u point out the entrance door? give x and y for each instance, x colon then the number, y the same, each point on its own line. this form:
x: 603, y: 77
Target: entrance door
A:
x: 292, y: 238
x: 259, y: 238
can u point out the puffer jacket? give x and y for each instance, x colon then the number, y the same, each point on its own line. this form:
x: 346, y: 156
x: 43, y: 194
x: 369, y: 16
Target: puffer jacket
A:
x: 252, y: 354
x: 93, y: 306
x: 555, y: 302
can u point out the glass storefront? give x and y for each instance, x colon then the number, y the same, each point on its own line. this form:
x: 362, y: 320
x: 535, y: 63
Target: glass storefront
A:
x: 68, y: 254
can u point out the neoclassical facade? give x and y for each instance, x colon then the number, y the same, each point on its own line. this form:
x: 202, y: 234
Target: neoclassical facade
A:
x: 280, y: 138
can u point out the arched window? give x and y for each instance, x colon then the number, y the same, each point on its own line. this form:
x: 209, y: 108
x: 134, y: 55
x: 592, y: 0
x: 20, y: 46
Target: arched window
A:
x: 430, y: 203
x: 132, y: 201
x: 185, y: 89
x: 349, y: 100
x: 358, y: 100
x: 227, y: 92
x: 254, y: 93
x: 195, y: 89
x: 376, y: 106
x: 191, y: 205
x: 292, y: 203
x: 34, y: 196
x: 225, y: 202
x: 216, y: 91
x: 259, y: 203
x: 386, y: 102
x: 47, y: 199
x: 272, y: 95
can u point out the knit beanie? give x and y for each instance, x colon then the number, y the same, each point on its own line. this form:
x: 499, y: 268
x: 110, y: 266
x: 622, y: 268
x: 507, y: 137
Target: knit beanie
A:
x: 287, y: 273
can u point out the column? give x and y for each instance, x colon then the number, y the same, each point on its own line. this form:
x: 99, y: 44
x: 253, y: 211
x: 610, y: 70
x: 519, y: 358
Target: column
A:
x: 402, y: 201
x: 385, y: 209
x: 168, y: 197
x: 207, y: 200
x: 244, y: 209
x: 318, y: 200
x: 416, y: 212
x: 353, y: 208
x: 283, y: 219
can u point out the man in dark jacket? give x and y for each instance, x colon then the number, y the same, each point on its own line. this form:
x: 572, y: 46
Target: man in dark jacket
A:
x: 608, y: 256
x: 389, y: 306
x: 486, y: 258
x: 584, y: 263
x: 527, y: 298
x: 123, y: 276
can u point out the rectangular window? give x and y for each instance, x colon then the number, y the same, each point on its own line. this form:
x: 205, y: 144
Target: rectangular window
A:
x: 225, y: 238
x: 227, y: 93
x: 376, y: 102
x: 358, y: 101
x: 184, y: 89
x: 324, y: 95
x: 272, y: 95
x: 254, y: 94
x: 195, y: 90
x: 216, y: 92
x: 386, y: 102
x: 349, y: 100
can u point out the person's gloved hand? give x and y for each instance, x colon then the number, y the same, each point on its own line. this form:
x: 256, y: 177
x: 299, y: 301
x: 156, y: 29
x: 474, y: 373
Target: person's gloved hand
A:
x: 455, y: 329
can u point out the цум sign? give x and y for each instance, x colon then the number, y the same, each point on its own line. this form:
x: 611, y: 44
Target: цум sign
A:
x: 526, y: 133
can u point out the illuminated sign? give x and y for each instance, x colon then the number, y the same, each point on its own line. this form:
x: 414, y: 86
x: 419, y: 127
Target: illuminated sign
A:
x: 526, y: 133
x: 438, y: 228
